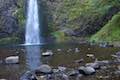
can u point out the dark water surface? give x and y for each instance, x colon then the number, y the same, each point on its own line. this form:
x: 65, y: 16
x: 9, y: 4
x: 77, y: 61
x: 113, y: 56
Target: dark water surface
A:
x: 64, y: 54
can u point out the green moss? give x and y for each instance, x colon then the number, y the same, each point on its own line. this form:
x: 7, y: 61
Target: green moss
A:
x: 19, y: 13
x: 9, y: 40
x: 75, y: 8
x: 60, y: 36
x: 110, y: 32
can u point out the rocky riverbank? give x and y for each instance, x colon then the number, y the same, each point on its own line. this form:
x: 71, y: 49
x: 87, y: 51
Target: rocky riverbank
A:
x: 96, y: 70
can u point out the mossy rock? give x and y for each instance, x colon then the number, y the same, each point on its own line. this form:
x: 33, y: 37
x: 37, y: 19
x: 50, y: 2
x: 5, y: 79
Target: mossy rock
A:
x: 9, y: 40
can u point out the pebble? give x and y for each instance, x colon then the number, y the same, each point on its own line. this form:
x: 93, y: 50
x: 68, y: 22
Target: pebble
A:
x: 90, y: 56
x: 73, y: 73
x: 77, y: 50
x: 59, y: 49
x: 79, y: 61
x: 48, y: 53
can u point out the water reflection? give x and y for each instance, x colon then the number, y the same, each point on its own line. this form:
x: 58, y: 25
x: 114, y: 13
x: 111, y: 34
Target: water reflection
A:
x: 33, y: 57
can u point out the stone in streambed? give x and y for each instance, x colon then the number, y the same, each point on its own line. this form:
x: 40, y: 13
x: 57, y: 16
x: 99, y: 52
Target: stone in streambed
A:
x: 45, y: 69
x: 91, y: 56
x: 61, y: 68
x: 28, y: 76
x: 48, y: 53
x: 73, y: 73
x: 12, y: 60
x: 59, y: 49
x: 93, y: 65
x: 117, y: 72
x: 79, y: 61
x: 86, y: 70
x: 65, y: 77
x: 103, y: 62
x: 118, y: 54
x: 77, y: 50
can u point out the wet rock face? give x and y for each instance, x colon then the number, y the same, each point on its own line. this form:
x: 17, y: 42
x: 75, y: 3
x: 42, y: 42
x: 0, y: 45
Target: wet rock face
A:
x: 8, y: 22
x: 91, y: 27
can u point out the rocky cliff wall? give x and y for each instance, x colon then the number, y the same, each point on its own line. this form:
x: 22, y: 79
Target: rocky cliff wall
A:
x: 8, y: 22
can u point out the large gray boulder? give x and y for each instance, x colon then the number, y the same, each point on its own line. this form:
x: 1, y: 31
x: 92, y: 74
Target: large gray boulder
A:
x: 86, y: 70
x: 45, y: 69
x: 9, y: 24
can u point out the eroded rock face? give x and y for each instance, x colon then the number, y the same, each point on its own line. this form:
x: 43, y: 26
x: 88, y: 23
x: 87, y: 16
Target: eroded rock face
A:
x: 58, y: 16
x: 92, y: 26
x: 8, y: 22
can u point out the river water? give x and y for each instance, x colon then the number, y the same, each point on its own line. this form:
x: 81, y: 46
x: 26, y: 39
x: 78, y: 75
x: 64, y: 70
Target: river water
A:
x: 64, y: 54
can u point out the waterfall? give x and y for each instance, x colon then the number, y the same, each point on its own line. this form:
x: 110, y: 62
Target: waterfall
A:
x: 32, y: 36
x: 32, y: 24
x: 33, y: 57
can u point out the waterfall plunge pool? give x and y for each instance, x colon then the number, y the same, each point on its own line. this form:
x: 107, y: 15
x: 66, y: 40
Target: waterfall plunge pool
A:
x: 64, y: 54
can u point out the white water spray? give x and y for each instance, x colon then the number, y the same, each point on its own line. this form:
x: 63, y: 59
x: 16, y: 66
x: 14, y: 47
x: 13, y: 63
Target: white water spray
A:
x: 32, y: 36
x: 32, y: 24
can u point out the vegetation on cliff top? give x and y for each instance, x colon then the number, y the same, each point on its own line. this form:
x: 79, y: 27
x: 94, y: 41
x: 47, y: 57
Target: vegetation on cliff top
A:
x: 20, y: 13
x: 74, y: 14
x: 110, y: 32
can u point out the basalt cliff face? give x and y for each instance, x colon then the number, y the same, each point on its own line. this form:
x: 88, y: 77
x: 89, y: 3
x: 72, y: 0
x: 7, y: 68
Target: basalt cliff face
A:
x: 11, y: 18
x: 80, y: 17
x: 62, y: 18
x: 8, y: 22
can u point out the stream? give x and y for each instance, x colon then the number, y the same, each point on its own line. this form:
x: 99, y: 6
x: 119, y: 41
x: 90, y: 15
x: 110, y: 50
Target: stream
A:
x: 64, y: 54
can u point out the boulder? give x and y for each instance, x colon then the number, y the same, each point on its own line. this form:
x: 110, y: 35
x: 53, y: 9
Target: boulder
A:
x: 118, y: 53
x: 61, y: 68
x: 79, y: 76
x: 73, y: 73
x: 86, y: 70
x: 103, y: 62
x: 12, y: 60
x: 48, y: 53
x: 65, y: 77
x: 45, y: 69
x: 93, y: 65
x: 55, y: 70
x: 117, y: 72
x: 28, y: 76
